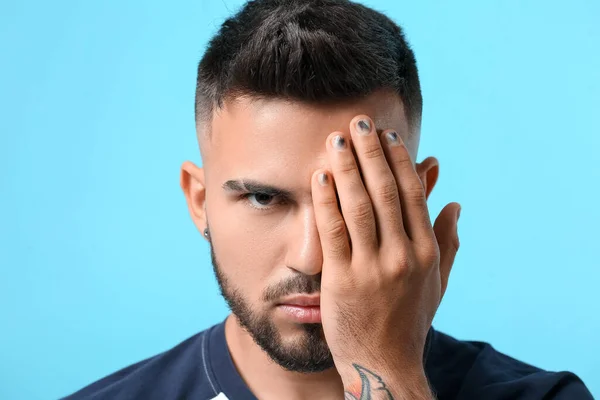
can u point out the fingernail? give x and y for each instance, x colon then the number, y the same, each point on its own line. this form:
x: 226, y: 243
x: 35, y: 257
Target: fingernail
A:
x: 323, y: 179
x: 339, y: 142
x: 364, y: 127
x: 392, y: 138
x: 458, y: 213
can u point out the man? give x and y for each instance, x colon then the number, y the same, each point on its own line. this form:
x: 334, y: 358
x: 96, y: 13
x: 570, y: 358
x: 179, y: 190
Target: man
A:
x: 308, y: 119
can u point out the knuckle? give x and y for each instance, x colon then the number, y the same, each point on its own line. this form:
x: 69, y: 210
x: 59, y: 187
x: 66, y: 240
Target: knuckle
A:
x: 328, y: 201
x: 347, y: 166
x: 336, y: 230
x: 428, y: 254
x: 361, y: 211
x: 387, y: 193
x: 415, y: 192
x: 403, y: 264
x: 402, y: 159
x: 455, y: 243
x: 372, y: 151
x: 431, y: 255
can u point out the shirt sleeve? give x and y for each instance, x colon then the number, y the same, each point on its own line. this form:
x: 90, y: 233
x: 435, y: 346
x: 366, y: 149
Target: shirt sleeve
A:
x: 571, y: 387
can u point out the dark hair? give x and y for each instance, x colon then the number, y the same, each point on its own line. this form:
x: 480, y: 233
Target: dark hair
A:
x: 315, y: 51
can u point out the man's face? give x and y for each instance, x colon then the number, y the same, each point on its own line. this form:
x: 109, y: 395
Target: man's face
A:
x: 266, y: 246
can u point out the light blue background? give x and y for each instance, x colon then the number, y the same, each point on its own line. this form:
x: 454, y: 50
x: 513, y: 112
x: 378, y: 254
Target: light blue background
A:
x: 101, y: 265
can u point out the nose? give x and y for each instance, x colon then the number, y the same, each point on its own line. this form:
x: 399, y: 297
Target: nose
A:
x: 304, y: 251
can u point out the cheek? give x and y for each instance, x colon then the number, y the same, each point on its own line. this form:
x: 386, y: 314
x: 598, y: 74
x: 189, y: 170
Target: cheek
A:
x: 248, y: 245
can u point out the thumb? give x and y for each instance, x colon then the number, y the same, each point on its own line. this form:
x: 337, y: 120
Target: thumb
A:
x: 446, y: 233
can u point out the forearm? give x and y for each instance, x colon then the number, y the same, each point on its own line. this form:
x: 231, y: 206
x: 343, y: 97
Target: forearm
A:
x: 377, y: 384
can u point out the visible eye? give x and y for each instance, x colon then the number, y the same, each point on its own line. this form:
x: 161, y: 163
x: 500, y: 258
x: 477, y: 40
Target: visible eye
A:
x: 260, y: 201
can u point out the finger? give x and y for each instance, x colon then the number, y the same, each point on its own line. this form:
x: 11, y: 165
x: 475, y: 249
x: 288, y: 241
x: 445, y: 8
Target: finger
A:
x: 357, y: 210
x: 330, y: 224
x: 413, y: 201
x: 446, y: 233
x: 378, y: 179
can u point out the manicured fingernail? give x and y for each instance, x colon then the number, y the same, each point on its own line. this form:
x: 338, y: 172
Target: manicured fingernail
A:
x: 364, y: 127
x: 323, y: 179
x: 392, y: 138
x: 338, y: 142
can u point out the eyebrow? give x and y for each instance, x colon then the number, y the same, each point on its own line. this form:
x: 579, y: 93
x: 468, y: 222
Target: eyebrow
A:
x: 249, y: 185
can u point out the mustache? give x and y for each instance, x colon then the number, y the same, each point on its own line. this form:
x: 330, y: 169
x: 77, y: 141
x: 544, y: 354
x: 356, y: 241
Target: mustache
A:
x: 298, y: 284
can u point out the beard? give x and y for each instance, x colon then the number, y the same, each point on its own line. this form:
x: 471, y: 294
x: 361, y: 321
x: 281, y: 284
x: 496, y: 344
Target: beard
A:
x: 307, y: 353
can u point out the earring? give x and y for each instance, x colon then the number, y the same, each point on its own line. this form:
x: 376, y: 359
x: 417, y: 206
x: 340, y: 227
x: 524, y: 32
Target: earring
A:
x: 206, y: 234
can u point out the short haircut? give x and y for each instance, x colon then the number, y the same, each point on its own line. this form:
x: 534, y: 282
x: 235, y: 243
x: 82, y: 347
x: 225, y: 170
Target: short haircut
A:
x: 311, y: 51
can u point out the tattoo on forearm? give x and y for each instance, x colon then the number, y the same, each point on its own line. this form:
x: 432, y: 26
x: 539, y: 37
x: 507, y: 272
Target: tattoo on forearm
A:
x: 372, y: 387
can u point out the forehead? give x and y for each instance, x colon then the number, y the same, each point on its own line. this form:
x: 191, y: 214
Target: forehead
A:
x: 274, y: 139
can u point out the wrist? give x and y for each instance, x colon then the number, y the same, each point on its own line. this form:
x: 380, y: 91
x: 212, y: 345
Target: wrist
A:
x: 396, y: 382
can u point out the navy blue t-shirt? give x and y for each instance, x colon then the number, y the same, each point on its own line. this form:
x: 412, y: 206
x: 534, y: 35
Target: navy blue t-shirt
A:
x: 201, y: 368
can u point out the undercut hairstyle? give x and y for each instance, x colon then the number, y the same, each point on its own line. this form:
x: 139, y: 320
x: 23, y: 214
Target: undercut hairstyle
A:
x: 310, y: 51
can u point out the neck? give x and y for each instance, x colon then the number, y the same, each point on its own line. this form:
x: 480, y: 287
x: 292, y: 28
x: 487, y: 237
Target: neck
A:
x: 267, y: 380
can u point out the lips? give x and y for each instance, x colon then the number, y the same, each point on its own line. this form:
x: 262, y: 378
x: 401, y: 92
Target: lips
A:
x: 302, y: 309
x: 302, y: 300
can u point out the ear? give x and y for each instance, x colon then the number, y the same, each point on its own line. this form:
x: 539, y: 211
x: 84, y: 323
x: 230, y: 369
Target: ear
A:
x: 194, y: 190
x: 428, y: 171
